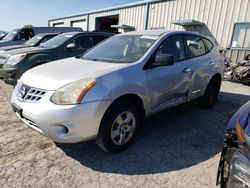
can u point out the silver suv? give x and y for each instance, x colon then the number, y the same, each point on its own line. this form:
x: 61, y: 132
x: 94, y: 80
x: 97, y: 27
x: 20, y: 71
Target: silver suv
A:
x: 106, y: 93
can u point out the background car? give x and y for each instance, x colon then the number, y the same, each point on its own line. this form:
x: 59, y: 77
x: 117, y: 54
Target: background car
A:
x: 14, y: 63
x: 234, y: 165
x: 105, y: 94
x: 20, y: 36
x: 2, y: 34
x: 35, y: 41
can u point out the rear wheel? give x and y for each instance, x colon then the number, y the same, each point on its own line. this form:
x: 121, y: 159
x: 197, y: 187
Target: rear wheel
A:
x: 209, y: 99
x: 119, y: 127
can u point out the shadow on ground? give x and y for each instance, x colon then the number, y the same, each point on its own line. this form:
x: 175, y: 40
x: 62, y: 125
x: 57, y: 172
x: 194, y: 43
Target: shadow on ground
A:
x: 169, y: 141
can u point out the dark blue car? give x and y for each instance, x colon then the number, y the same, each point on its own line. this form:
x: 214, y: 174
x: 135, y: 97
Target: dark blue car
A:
x: 234, y: 166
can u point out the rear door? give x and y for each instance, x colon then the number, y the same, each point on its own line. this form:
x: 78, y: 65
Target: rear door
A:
x: 201, y: 65
x: 169, y: 85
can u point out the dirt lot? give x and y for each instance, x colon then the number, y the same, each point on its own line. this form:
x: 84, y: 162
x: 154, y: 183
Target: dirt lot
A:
x: 176, y: 148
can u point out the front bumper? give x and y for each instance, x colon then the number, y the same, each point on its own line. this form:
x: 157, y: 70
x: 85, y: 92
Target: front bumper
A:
x: 8, y: 73
x: 61, y: 123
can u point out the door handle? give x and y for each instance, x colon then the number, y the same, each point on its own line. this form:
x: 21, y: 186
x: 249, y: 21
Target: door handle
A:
x: 186, y: 70
x: 211, y: 63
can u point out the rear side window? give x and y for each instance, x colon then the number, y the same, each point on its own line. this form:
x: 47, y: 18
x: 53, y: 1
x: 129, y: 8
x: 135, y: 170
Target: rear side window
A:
x: 98, y: 39
x: 195, y: 46
x: 25, y: 34
x: 208, y: 44
x: 174, y: 46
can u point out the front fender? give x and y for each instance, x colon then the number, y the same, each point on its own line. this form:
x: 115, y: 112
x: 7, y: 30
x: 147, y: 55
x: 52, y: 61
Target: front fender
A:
x: 38, y: 59
x: 103, y: 93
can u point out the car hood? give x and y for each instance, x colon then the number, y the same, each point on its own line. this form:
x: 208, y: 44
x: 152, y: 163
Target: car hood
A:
x: 7, y: 48
x: 25, y: 50
x: 241, y: 115
x: 54, y: 75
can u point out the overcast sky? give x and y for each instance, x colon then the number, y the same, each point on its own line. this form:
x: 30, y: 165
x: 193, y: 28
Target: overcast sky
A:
x: 17, y: 13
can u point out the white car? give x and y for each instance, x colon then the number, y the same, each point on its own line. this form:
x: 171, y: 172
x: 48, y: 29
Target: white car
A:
x: 106, y: 93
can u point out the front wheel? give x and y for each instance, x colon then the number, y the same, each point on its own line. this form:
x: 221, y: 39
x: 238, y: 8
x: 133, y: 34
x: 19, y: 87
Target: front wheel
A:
x: 119, y: 127
x: 209, y: 99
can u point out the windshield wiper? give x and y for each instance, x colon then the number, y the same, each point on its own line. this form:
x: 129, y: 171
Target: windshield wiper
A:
x: 41, y: 46
x: 90, y: 59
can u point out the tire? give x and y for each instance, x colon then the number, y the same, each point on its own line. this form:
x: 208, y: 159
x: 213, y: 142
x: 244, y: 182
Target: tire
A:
x: 115, y: 133
x: 208, y: 100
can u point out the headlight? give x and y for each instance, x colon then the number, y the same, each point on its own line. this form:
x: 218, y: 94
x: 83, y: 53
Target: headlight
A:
x: 14, y: 59
x: 240, y: 171
x: 73, y: 93
x: 239, y: 133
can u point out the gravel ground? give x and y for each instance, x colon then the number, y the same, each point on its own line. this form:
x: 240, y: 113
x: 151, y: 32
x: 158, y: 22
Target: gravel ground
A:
x: 176, y: 148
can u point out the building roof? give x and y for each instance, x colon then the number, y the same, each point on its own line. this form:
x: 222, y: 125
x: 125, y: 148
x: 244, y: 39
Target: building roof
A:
x: 109, y: 9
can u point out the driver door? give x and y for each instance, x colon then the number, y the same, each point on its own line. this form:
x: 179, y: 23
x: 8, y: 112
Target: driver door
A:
x: 168, y: 85
x: 82, y: 42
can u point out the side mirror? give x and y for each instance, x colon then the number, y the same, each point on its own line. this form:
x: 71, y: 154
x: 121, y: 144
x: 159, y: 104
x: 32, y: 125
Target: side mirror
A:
x: 164, y: 60
x: 71, y: 46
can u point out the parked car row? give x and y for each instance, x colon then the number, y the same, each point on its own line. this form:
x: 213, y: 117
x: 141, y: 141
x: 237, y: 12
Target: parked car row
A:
x: 13, y: 63
x: 19, y: 36
x: 34, y: 41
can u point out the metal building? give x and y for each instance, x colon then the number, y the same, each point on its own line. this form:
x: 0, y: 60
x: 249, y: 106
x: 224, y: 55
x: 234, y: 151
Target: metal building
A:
x: 227, y: 21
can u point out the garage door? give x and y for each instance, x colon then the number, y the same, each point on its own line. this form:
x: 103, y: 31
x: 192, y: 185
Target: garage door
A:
x: 81, y: 24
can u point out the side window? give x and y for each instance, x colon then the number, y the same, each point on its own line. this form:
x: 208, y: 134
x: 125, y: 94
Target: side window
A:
x: 25, y: 34
x: 173, y: 45
x: 30, y: 33
x: 208, y: 44
x: 195, y: 46
x: 83, y: 42
x: 98, y: 39
x: 20, y: 35
x: 45, y: 39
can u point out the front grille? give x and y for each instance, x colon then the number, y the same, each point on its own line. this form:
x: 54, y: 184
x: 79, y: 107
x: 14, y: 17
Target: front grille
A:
x: 34, y: 95
x: 28, y: 94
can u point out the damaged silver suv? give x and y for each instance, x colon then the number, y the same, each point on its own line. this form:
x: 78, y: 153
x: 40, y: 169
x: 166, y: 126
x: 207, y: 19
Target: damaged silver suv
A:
x: 106, y: 93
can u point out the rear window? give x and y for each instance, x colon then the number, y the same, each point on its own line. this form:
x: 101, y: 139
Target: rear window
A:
x: 208, y: 44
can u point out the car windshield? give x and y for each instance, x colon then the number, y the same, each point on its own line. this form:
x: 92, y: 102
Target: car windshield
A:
x: 57, y: 41
x: 121, y: 49
x: 11, y: 35
x: 33, y: 41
